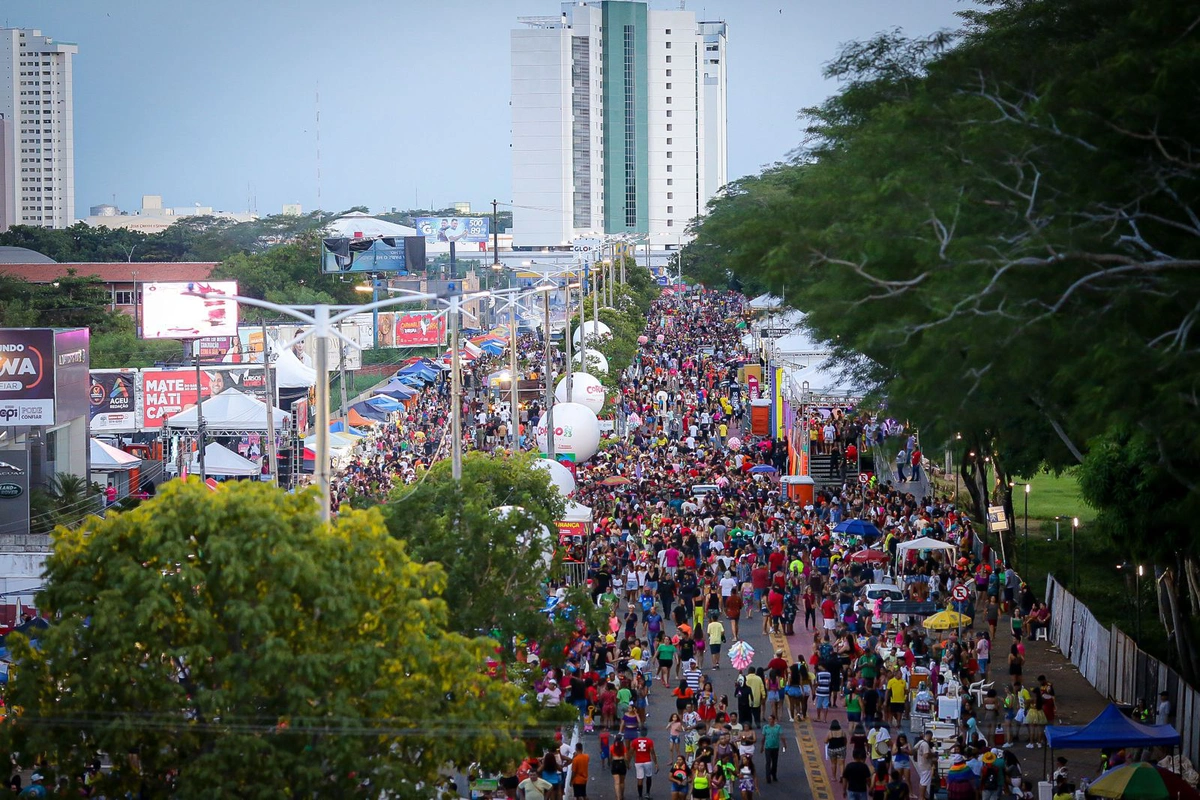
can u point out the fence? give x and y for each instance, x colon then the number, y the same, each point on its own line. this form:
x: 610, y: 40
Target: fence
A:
x: 1112, y: 662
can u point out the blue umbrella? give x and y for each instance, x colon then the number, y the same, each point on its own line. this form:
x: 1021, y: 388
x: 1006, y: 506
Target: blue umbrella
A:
x: 857, y: 527
x: 762, y: 469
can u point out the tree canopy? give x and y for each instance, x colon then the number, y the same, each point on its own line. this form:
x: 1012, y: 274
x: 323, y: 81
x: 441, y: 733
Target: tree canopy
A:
x: 229, y: 644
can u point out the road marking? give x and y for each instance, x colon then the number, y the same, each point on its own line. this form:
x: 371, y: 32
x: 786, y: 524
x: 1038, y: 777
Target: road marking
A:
x: 806, y: 742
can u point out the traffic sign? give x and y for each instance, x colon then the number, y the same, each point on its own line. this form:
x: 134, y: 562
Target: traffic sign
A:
x: 864, y: 478
x: 961, y: 593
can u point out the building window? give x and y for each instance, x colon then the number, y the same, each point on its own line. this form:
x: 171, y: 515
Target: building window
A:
x: 670, y: 209
x: 668, y: 103
x: 668, y: 73
x: 670, y: 181
x: 630, y: 133
x: 668, y: 112
x: 670, y: 195
x: 669, y: 138
x: 668, y: 45
x: 668, y: 167
x: 669, y: 154
x: 669, y: 126
x: 668, y: 59
x: 668, y: 32
x: 670, y: 223
x: 124, y: 297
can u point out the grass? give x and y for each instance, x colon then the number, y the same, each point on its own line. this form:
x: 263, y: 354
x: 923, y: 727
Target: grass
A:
x: 1051, y: 495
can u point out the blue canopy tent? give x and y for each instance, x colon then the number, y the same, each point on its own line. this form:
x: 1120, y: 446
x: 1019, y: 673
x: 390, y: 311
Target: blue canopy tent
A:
x: 385, y: 403
x: 370, y: 411
x: 339, y: 426
x: 857, y: 527
x: 415, y: 381
x: 1110, y: 729
x: 492, y: 348
x: 397, y: 390
x: 423, y: 371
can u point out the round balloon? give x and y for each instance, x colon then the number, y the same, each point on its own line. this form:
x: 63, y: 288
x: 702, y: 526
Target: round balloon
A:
x: 596, y: 361
x: 585, y: 389
x: 560, y: 476
x: 576, y: 431
x: 660, y: 338
x: 643, y: 339
x: 592, y: 330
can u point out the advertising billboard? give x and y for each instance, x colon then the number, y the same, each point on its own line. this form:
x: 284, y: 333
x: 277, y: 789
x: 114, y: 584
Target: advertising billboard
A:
x: 114, y: 400
x: 26, y: 376
x: 166, y: 392
x: 72, y: 360
x: 402, y: 254
x: 247, y: 346
x: 412, y: 329
x: 453, y: 229
x: 14, y: 491
x: 189, y: 310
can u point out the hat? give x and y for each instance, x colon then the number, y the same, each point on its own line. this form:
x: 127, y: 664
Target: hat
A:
x: 989, y: 757
x: 957, y: 758
x: 35, y: 777
x: 997, y: 752
x: 779, y: 652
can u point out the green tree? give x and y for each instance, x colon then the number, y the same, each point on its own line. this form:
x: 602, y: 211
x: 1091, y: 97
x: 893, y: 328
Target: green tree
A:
x: 496, y: 565
x: 241, y: 648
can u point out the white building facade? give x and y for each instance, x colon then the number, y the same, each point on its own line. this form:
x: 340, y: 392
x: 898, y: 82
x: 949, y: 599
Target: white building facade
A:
x: 36, y: 97
x: 618, y: 122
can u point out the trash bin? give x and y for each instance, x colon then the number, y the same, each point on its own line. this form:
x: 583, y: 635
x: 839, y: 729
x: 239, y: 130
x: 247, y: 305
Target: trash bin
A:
x: 1045, y: 790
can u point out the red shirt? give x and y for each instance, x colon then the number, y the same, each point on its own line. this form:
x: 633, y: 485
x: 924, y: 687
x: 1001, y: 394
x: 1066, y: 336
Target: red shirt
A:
x: 828, y: 609
x: 775, y: 560
x: 643, y: 750
x: 775, y: 603
x: 760, y: 577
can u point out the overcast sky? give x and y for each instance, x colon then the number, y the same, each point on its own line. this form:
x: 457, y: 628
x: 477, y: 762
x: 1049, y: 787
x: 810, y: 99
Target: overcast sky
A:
x: 212, y: 102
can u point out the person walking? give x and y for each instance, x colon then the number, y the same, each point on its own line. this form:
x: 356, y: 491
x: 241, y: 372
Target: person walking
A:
x: 716, y: 637
x: 772, y: 744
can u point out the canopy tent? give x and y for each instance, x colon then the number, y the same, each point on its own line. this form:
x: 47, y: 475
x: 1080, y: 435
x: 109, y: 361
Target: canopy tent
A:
x: 337, y: 441
x: 415, y: 381
x: 1110, y: 729
x: 923, y: 543
x: 222, y: 461
x: 106, y: 458
x: 800, y: 341
x: 492, y: 348
x: 823, y: 376
x: 397, y: 390
x: 340, y: 426
x: 359, y: 420
x: 577, y: 512
x: 765, y: 302
x: 230, y: 411
x: 384, y: 403
x: 369, y: 411
x: 290, y: 371
x: 421, y: 370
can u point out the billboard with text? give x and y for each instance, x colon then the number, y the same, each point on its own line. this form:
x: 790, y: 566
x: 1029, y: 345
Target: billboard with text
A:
x: 26, y: 376
x: 453, y: 229
x: 166, y: 392
x: 113, y: 398
x: 189, y: 310
x: 412, y: 329
x: 402, y: 254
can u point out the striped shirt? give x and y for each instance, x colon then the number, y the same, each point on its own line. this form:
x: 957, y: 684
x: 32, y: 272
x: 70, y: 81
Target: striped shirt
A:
x: 693, y: 677
x: 824, y: 683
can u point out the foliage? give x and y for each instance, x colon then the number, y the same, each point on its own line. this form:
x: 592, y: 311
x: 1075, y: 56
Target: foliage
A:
x: 288, y: 273
x: 121, y: 347
x: 73, y: 301
x: 239, y: 647
x: 496, y: 565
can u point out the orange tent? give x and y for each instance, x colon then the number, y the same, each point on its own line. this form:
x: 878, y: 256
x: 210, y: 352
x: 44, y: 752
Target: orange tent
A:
x: 356, y: 419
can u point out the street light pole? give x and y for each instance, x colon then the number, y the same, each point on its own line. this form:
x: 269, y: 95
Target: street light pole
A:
x: 199, y: 410
x: 1074, y: 528
x: 321, y: 470
x: 1025, y: 565
x: 548, y: 412
x: 455, y: 394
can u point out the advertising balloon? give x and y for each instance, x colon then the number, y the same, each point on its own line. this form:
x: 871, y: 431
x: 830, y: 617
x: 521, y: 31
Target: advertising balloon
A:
x: 576, y: 431
x: 585, y: 389
x: 660, y: 338
x: 560, y: 476
x: 592, y: 330
x: 533, y: 535
x: 596, y: 361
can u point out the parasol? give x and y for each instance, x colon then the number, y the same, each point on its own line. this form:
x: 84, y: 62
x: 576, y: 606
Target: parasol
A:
x: 868, y: 557
x: 1141, y: 781
x: 857, y: 527
x: 615, y: 480
x: 762, y: 469
x: 946, y: 620
x: 741, y: 655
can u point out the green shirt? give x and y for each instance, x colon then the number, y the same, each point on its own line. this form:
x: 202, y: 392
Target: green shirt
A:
x: 771, y: 736
x: 665, y: 652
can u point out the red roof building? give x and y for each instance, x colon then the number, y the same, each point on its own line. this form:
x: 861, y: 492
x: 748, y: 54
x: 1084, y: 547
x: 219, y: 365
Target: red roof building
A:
x: 121, y: 278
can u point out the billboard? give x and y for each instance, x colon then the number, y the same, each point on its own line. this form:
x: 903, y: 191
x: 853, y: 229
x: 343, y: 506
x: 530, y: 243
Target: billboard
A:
x: 114, y: 397
x: 412, y: 329
x: 166, y: 392
x: 14, y: 491
x: 453, y: 229
x: 27, y: 376
x: 247, y: 346
x: 189, y: 310
x: 72, y: 358
x: 402, y: 254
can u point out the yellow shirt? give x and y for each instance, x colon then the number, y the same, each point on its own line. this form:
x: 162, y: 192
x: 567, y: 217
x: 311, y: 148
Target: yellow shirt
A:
x: 716, y: 632
x: 757, y: 689
x: 897, y: 690
x: 635, y: 653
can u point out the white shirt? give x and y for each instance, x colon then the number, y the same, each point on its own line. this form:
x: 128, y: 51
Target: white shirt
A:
x: 728, y: 584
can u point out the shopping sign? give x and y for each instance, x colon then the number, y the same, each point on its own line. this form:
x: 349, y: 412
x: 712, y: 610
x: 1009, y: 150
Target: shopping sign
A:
x: 752, y: 385
x: 26, y: 376
x: 420, y: 330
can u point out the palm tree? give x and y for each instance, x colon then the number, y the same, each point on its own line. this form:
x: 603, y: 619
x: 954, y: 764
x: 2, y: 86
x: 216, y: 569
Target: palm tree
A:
x: 71, y: 493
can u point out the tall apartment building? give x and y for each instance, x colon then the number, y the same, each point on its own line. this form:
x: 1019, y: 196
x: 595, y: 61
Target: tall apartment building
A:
x: 618, y: 122
x: 36, y: 98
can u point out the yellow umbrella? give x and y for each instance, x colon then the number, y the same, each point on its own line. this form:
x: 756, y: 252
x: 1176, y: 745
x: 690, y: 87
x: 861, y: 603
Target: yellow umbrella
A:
x: 946, y: 620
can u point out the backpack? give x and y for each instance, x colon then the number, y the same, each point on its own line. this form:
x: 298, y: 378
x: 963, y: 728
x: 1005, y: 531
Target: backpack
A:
x: 991, y: 777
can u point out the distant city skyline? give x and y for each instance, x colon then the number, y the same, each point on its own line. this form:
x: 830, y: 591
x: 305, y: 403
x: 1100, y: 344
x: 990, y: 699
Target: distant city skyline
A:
x: 178, y: 101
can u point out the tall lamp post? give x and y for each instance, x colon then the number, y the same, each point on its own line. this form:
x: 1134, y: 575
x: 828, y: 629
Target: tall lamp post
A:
x: 1074, y: 528
x: 1025, y: 556
x: 510, y: 300
x: 1137, y: 595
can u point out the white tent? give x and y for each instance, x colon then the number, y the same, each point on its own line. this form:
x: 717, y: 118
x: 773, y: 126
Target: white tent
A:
x: 924, y: 543
x: 577, y: 512
x: 824, y: 377
x: 230, y: 411
x: 106, y: 458
x: 799, y: 341
x: 765, y: 302
x: 223, y: 462
x: 357, y: 225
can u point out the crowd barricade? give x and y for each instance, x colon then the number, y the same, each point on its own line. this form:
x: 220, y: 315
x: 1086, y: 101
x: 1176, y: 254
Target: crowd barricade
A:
x: 1111, y: 661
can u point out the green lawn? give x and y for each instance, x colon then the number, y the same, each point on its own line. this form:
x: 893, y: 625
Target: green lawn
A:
x: 1051, y: 495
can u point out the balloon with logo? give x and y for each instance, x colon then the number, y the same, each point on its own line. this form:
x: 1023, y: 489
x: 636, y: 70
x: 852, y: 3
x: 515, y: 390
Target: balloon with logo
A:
x: 592, y: 330
x: 560, y: 476
x: 593, y: 361
x: 585, y: 389
x: 576, y: 431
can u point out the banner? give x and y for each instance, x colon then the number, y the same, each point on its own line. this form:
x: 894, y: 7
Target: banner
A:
x: 14, y: 491
x: 166, y: 392
x: 453, y: 229
x: 113, y: 399
x: 412, y: 329
x: 402, y: 254
x: 189, y: 310
x: 27, y: 376
x: 247, y: 346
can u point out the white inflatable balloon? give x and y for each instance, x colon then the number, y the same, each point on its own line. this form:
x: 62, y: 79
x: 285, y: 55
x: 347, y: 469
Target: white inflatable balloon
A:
x: 592, y: 330
x: 560, y: 476
x: 587, y: 390
x: 596, y: 361
x: 576, y: 431
x: 534, y: 534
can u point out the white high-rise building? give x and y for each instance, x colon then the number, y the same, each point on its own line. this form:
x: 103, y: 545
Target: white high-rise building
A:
x: 36, y: 97
x: 618, y: 122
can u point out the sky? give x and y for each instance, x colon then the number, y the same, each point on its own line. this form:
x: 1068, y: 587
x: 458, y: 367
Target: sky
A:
x: 215, y: 102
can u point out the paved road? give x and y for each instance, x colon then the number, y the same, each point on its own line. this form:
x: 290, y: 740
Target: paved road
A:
x: 793, y: 782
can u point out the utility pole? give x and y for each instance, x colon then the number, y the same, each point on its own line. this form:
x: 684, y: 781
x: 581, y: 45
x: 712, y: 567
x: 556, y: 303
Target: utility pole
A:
x: 455, y: 393
x: 342, y: 376
x: 272, y: 453
x: 199, y: 410
x: 495, y: 235
x: 548, y: 411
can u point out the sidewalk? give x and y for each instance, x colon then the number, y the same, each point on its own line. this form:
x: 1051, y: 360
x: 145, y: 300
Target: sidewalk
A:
x: 1077, y: 703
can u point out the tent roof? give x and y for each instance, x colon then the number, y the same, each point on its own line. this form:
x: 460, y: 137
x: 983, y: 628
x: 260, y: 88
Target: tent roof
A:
x: 357, y: 223
x: 340, y: 426
x: 765, y: 301
x: 577, y: 512
x: 923, y: 543
x: 230, y: 411
x: 106, y: 458
x: 358, y: 419
x: 219, y: 460
x: 1110, y: 729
